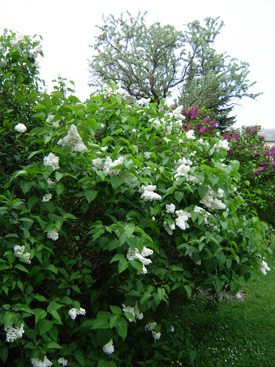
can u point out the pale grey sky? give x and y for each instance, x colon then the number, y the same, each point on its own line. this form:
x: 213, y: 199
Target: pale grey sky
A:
x: 68, y: 27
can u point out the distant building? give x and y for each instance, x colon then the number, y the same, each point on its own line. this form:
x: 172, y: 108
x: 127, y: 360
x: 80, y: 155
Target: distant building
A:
x: 269, y: 136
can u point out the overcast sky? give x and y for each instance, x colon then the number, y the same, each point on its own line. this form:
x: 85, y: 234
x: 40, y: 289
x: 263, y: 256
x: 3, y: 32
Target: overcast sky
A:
x: 69, y: 26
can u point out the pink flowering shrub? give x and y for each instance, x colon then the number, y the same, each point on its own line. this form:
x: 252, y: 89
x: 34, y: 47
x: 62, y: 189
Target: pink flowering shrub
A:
x: 257, y: 168
x: 113, y: 212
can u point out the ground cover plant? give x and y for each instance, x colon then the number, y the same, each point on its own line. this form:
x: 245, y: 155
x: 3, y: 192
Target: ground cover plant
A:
x: 109, y: 213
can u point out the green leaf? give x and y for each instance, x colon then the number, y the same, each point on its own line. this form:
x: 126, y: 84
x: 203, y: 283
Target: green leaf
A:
x: 22, y: 268
x: 115, y: 309
x: 4, y: 352
x: 203, y: 190
x: 121, y: 328
x: 122, y: 265
x: 188, y: 290
x: 90, y: 195
x: 59, y: 188
x: 178, y: 196
x: 114, y: 320
x: 52, y: 268
x: 54, y: 345
x: 44, y: 326
x: 136, y: 264
x: 102, y: 320
x: 106, y: 140
x: 116, y: 181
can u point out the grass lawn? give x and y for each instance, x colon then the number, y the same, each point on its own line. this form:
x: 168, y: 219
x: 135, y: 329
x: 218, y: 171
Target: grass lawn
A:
x: 237, y: 333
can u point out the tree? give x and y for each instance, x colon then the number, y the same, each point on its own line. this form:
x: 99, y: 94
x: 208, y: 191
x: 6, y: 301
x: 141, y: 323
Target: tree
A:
x: 155, y: 61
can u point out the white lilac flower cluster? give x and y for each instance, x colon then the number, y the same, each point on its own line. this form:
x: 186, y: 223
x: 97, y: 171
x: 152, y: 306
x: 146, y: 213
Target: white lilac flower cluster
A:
x: 264, y: 268
x: 169, y: 228
x: 109, y: 166
x: 143, y: 101
x: 38, y: 363
x: 183, y: 167
x: 211, y: 201
x: 148, y: 193
x: 190, y: 135
x: 63, y: 361
x: 52, y: 161
x: 34, y: 52
x: 53, y: 235
x: 97, y: 163
x: 19, y: 252
x: 21, y: 128
x: 222, y: 144
x: 134, y: 311
x: 109, y: 92
x: 46, y: 198
x: 181, y: 219
x: 150, y: 327
x: 167, y: 126
x: 73, y: 141
x: 177, y: 113
x: 170, y: 208
x: 13, y: 333
x: 73, y: 312
x: 135, y: 254
x: 50, y: 119
x: 50, y: 182
x: 109, y: 347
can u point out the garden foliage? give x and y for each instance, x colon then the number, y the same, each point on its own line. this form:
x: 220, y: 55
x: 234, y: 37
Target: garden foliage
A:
x: 109, y: 212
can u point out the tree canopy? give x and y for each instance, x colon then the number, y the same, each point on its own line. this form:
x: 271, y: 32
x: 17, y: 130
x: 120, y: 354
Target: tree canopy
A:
x: 156, y: 61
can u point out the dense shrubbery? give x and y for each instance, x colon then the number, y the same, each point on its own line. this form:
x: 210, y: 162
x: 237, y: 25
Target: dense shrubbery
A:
x: 109, y: 213
x: 257, y: 160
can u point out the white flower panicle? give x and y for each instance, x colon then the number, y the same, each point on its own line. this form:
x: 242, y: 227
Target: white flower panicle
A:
x: 190, y: 135
x: 183, y: 167
x: 182, y: 218
x: 50, y: 182
x: 172, y: 329
x: 19, y: 252
x: 156, y: 335
x: 222, y: 144
x: 109, y: 166
x: 169, y: 228
x: 63, y: 361
x: 150, y: 327
x: 170, y: 208
x: 97, y: 163
x: 211, y: 201
x: 148, y: 193
x: 177, y: 113
x: 264, y: 268
x: 143, y: 101
x: 53, y: 235
x: 38, y: 363
x: 135, y: 254
x: 13, y: 333
x: 21, y: 128
x: 46, y: 198
x: 73, y: 141
x: 49, y: 120
x: 109, y: 347
x: 73, y: 312
x: 134, y: 311
x: 51, y: 160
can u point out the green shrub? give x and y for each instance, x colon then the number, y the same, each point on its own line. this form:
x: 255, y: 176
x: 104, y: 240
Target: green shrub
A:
x: 114, y: 212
